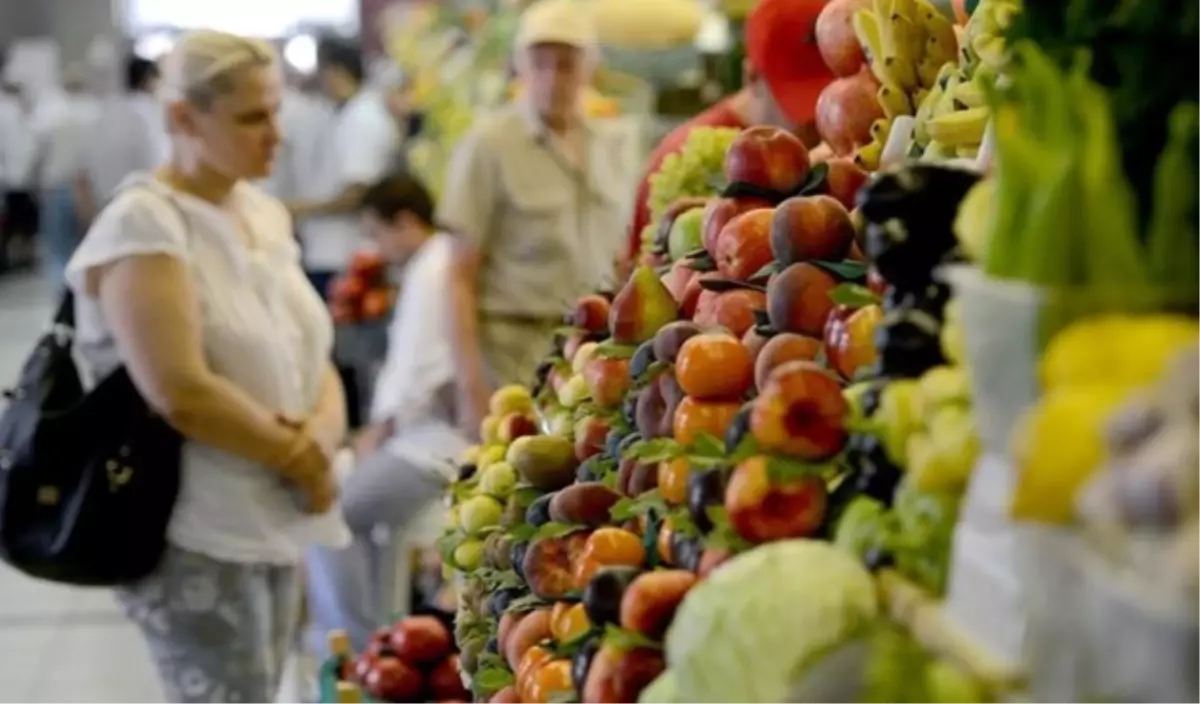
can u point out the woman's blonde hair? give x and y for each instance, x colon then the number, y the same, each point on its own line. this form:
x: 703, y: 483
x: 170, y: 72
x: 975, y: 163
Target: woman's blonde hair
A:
x: 202, y: 65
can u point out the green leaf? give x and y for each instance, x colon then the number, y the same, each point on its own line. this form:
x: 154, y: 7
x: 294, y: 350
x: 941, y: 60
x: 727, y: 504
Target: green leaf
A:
x: 447, y: 544
x: 767, y: 271
x: 615, y: 350
x: 681, y: 522
x: 493, y: 679
x: 495, y: 579
x: 656, y: 450
x: 629, y: 508
x: 815, y: 183
x: 624, y: 640
x: 573, y: 646
x: 853, y: 295
x: 707, y: 445
x: 527, y: 603
x: 565, y: 330
x: 525, y: 494
x: 782, y: 471
x: 654, y: 523
x: 701, y: 262
x: 522, y: 532
x: 747, y: 448
x: 848, y: 270
x: 651, y: 373
x: 554, y: 529
x: 723, y: 536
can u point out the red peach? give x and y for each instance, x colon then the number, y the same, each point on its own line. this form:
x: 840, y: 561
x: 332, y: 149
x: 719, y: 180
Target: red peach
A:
x: 761, y: 510
x: 719, y: 212
x: 591, y: 313
x: 754, y: 343
x: 834, y: 32
x: 808, y: 228
x: 590, y: 434
x: 800, y: 413
x: 850, y: 344
x: 618, y: 675
x: 678, y: 281
x: 516, y: 425
x: 843, y: 180
x: 650, y: 600
x: 798, y: 299
x: 607, y: 380
x: 732, y: 310
x: 744, y: 245
x: 767, y: 157
x: 783, y: 347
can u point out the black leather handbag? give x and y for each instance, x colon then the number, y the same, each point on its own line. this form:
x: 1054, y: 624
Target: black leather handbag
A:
x: 88, y: 479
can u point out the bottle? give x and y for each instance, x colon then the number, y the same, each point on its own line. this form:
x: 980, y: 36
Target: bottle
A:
x: 342, y: 654
x: 348, y: 693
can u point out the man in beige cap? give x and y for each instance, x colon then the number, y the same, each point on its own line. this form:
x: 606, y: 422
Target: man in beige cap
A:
x: 536, y: 193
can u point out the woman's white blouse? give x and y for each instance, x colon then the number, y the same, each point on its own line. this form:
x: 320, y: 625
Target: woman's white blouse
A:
x: 264, y: 329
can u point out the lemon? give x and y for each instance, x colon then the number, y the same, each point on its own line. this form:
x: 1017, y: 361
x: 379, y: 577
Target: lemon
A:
x: 490, y: 455
x: 489, y: 429
x: 1057, y: 445
x: 1116, y: 350
x: 939, y: 387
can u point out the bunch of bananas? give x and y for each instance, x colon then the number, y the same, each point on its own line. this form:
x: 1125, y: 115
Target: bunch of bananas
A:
x: 906, y: 43
x: 952, y: 117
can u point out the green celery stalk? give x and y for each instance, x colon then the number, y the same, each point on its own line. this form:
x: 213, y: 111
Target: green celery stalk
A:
x: 1172, y: 238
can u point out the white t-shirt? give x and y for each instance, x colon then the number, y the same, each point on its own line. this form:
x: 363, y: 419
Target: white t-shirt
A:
x: 63, y: 128
x: 359, y: 148
x: 419, y: 368
x: 264, y: 329
x: 17, y: 146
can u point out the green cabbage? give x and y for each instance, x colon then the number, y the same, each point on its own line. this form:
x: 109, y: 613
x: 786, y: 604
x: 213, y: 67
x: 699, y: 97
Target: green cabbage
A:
x: 747, y: 632
x: 663, y: 690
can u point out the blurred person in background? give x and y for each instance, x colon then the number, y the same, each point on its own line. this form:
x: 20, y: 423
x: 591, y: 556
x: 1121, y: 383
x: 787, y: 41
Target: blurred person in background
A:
x: 534, y: 194
x: 357, y: 148
x: 133, y: 124
x: 304, y: 116
x: 190, y: 278
x: 783, y: 76
x: 400, y: 456
x: 62, y: 129
x: 17, y: 150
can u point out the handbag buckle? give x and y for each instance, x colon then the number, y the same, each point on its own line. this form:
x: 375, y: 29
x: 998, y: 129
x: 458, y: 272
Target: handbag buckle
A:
x: 118, y: 474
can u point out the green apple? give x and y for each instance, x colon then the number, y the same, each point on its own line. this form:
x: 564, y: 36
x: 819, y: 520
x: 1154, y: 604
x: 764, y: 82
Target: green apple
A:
x: 469, y: 555
x: 498, y: 479
x: 479, y: 513
x: 686, y: 234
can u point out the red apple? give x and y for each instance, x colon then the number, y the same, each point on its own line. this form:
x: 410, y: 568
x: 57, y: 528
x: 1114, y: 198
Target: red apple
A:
x: 845, y: 111
x: 391, y: 680
x: 836, y: 39
x: 719, y: 212
x: 843, y: 180
x: 800, y: 413
x: 810, y: 228
x: 767, y: 157
x: 607, y: 380
x: 445, y: 681
x: 762, y: 508
x: 744, y: 245
x: 421, y: 639
x: 591, y: 314
x: 516, y: 425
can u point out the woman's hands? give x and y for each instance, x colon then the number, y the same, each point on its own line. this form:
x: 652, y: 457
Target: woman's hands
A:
x: 310, y: 466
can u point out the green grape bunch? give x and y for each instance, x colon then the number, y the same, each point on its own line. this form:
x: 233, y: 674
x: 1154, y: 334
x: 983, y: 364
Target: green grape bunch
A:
x: 693, y: 170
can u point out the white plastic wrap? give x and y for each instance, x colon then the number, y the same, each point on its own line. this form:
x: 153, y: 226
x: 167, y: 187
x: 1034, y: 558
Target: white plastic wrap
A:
x: 1001, y: 333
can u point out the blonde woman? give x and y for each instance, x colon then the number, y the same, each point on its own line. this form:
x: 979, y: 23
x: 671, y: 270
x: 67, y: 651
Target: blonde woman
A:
x: 190, y: 278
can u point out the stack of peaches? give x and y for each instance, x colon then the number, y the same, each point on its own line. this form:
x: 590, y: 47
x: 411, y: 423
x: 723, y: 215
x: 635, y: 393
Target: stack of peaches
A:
x: 363, y: 293
x: 704, y: 407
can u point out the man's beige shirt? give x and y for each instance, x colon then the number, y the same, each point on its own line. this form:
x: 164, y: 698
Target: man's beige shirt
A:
x: 549, y: 224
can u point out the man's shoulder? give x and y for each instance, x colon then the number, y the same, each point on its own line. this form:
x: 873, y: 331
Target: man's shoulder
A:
x: 497, y: 128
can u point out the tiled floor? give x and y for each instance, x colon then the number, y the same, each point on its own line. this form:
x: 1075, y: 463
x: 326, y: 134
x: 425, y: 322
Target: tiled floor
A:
x: 61, y: 644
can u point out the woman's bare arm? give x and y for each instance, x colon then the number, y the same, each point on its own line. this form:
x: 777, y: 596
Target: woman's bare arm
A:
x: 328, y: 421
x: 151, y: 309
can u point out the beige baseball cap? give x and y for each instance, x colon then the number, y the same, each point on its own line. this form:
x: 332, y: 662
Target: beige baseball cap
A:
x: 569, y: 22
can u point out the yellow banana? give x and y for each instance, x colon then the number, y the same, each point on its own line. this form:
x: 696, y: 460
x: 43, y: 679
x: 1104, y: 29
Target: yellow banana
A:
x: 893, y: 99
x: 880, y: 129
x: 967, y: 152
x: 991, y: 50
x: 867, y: 31
x: 882, y: 9
x: 867, y: 156
x: 936, y: 151
x: 898, y: 59
x: 924, y: 112
x: 969, y: 94
x: 906, y: 9
x: 959, y: 128
x: 918, y: 96
x: 942, y: 42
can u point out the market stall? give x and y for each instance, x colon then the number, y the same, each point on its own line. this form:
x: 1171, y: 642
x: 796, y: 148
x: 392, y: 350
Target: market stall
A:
x: 911, y: 424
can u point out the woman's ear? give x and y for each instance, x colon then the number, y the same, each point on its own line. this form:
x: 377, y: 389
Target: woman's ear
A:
x: 181, y: 118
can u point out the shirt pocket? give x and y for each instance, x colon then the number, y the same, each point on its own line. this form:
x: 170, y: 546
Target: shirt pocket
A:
x: 539, y: 222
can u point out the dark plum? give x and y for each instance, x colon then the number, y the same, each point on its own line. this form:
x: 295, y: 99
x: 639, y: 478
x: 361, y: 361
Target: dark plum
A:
x: 908, y: 344
x: 629, y: 408
x: 582, y: 662
x: 627, y: 442
x: 538, y: 513
x: 501, y: 598
x: 492, y: 645
x: 705, y: 489
x: 589, y: 470
x: 516, y: 555
x: 686, y: 551
x: 639, y: 364
x: 738, y: 428
x: 612, y: 443
x: 602, y: 596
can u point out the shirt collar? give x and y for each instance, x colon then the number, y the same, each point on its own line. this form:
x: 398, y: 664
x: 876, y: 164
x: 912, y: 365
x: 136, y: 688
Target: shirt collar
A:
x: 537, y: 129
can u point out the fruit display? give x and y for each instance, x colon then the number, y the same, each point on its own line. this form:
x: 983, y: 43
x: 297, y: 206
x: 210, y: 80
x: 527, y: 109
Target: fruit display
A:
x: 363, y: 293
x: 413, y: 660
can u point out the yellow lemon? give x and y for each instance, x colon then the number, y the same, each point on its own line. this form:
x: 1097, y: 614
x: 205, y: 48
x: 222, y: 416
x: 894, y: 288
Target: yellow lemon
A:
x: 1116, y: 350
x: 1057, y: 445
